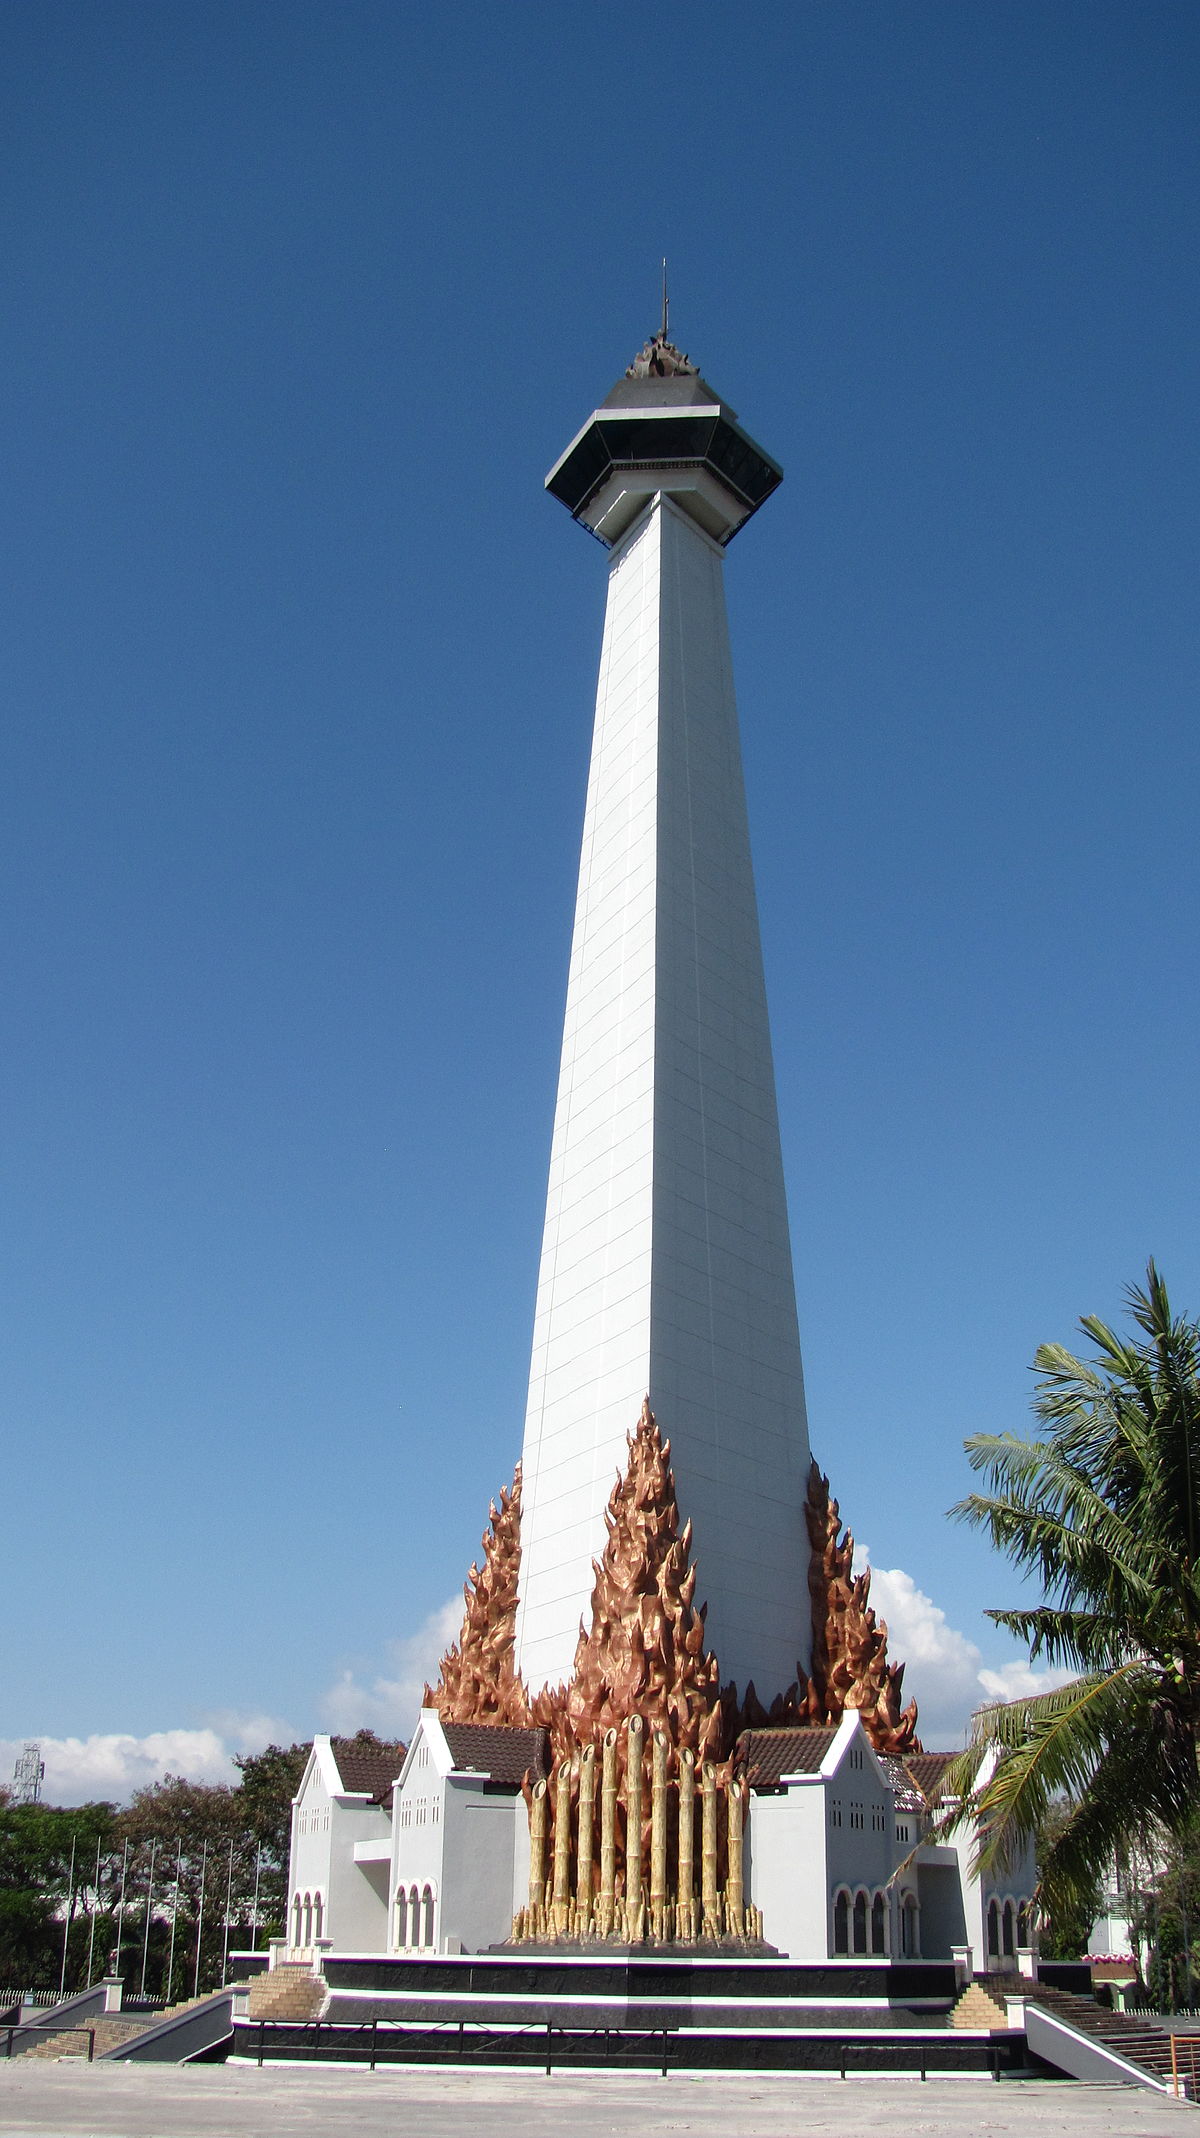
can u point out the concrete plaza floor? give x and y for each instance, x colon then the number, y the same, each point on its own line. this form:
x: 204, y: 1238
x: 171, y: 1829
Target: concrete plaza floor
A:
x: 71, y: 2100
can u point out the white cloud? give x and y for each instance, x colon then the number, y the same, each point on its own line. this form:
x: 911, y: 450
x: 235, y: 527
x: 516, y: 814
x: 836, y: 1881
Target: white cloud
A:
x: 1018, y: 1680
x: 391, y: 1701
x: 945, y: 1671
x: 112, y: 1764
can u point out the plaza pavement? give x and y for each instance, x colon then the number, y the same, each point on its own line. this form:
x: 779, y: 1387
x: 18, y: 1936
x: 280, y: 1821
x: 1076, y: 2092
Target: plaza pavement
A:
x: 71, y: 2100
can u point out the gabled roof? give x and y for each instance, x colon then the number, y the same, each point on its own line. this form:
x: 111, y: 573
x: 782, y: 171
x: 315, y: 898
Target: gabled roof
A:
x: 366, y: 1770
x: 927, y: 1770
x: 903, y: 1787
x: 501, y: 1752
x: 765, y: 1756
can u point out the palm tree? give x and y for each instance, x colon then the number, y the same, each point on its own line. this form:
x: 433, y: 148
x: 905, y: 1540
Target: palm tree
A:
x: 1104, y: 1508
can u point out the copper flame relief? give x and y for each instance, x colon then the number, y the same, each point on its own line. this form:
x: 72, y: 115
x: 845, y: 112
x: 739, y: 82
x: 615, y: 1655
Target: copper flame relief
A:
x: 478, y: 1681
x: 849, y: 1667
x: 643, y: 1652
x: 637, y: 1831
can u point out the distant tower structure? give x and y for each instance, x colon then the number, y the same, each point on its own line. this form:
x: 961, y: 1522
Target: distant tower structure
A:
x: 666, y: 1265
x: 28, y: 1775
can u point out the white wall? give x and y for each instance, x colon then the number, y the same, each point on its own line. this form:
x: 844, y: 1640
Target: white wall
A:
x: 418, y: 1832
x: 786, y: 1868
x: 481, y: 1831
x: 356, y: 1920
x: 326, y: 1824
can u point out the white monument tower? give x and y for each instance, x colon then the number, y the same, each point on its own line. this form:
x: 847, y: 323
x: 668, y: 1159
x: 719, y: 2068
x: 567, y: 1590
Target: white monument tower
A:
x: 666, y: 1266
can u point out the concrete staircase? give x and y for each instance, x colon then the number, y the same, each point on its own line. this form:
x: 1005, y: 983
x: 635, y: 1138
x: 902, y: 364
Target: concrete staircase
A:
x: 287, y: 1992
x: 977, y: 2010
x: 110, y: 2030
x: 1139, y: 2041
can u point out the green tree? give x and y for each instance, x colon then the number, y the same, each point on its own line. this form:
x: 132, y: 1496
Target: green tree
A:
x: 41, y: 1895
x: 204, y: 1859
x: 269, y: 1781
x: 1103, y: 1508
x: 1067, y: 1920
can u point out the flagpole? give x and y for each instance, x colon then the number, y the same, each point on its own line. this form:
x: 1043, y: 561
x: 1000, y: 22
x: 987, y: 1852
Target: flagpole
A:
x: 120, y: 1913
x: 228, y: 1899
x: 200, y: 1920
x: 95, y: 1905
x: 174, y: 1920
x: 62, y: 1980
x: 149, y: 1898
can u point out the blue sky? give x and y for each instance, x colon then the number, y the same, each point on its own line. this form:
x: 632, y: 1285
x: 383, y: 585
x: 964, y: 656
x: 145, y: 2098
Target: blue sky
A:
x: 298, y: 667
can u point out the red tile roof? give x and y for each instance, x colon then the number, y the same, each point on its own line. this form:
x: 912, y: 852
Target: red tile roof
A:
x: 765, y: 1756
x: 927, y: 1769
x: 908, y: 1797
x: 367, y: 1770
x: 499, y: 1751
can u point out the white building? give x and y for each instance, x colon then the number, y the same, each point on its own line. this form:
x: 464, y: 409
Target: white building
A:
x: 459, y: 1856
x: 341, y: 1845
x: 835, y: 1854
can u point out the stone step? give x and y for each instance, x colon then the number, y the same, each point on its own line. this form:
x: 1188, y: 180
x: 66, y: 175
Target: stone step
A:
x: 977, y: 2009
x: 287, y: 1992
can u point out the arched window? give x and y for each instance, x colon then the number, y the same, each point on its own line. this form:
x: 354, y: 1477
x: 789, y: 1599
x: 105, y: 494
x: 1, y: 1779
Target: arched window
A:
x: 427, y: 1926
x: 318, y: 1917
x: 1008, y: 1926
x: 860, y: 1922
x: 841, y: 1922
x: 878, y: 1925
x: 1023, y: 1923
x: 993, y: 1930
x: 414, y: 1919
x: 401, y: 1920
x: 308, y: 1919
x: 910, y: 1928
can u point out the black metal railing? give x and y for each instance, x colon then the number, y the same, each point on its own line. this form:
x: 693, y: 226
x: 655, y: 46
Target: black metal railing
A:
x: 563, y: 2047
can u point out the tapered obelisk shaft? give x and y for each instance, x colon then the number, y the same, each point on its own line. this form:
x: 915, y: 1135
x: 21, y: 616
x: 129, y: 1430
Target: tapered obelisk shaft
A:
x: 666, y: 1266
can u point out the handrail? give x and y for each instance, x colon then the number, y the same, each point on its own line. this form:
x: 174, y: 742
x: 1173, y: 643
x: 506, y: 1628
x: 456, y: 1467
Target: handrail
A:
x: 1189, y: 2077
x: 481, y: 2034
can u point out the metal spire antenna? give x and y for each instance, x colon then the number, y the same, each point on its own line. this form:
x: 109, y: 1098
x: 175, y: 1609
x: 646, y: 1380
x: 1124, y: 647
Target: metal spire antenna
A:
x: 666, y: 301
x: 28, y: 1775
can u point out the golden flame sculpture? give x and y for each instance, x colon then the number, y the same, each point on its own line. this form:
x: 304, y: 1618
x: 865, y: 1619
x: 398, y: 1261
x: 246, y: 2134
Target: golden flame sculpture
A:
x: 849, y: 1667
x: 478, y: 1681
x: 643, y: 1791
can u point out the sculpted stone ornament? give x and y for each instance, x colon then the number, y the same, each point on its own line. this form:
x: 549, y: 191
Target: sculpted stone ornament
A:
x: 660, y: 359
x: 850, y: 1667
x: 478, y: 1680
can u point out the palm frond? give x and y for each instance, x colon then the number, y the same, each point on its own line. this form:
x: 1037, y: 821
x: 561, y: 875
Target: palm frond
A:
x: 1146, y: 1783
x: 1043, y: 1747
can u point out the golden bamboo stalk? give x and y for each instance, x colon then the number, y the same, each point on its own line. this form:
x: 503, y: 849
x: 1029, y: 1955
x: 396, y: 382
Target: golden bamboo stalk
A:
x: 537, y: 1848
x: 562, y: 1849
x: 735, y: 1903
x: 608, y: 1834
x: 685, y: 1898
x: 583, y: 1857
x: 658, y: 1836
x: 633, y: 1822
x: 708, y: 1850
